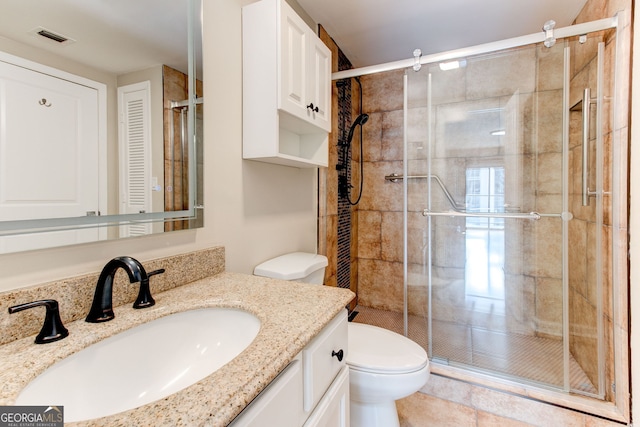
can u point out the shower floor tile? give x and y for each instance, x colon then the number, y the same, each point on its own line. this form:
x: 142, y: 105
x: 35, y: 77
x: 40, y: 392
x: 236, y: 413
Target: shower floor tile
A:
x: 531, y: 358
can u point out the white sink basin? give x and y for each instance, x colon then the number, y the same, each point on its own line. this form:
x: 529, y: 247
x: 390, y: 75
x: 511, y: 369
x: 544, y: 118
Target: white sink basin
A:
x: 143, y: 364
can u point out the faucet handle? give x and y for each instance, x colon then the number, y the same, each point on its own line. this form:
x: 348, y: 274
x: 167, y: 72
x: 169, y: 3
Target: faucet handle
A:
x: 145, y: 299
x: 52, y: 329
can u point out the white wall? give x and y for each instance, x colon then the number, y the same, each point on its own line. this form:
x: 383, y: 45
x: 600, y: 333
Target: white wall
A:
x: 255, y: 210
x: 260, y: 209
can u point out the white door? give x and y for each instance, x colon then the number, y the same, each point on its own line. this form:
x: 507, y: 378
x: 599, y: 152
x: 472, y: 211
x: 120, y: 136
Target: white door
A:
x: 53, y: 123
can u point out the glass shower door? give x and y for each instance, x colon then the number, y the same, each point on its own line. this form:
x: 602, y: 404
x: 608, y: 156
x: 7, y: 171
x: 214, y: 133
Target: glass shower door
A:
x: 487, y: 185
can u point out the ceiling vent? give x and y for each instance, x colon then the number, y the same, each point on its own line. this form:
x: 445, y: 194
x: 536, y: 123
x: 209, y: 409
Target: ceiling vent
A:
x: 51, y: 36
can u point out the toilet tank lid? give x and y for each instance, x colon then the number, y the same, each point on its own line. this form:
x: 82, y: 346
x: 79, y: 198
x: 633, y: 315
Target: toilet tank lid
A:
x: 292, y: 266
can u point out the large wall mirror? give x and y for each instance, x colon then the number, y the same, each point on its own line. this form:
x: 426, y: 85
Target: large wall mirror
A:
x: 100, y: 120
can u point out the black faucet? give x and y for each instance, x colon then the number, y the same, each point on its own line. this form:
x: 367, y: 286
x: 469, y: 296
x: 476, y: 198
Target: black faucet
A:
x: 52, y: 328
x: 102, y: 306
x: 144, y: 298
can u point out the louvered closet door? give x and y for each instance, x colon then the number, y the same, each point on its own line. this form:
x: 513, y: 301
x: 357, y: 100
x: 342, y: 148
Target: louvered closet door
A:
x: 135, y: 154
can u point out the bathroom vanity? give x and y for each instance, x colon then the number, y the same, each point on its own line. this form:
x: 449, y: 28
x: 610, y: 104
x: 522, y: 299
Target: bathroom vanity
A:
x: 313, y: 390
x: 287, y: 360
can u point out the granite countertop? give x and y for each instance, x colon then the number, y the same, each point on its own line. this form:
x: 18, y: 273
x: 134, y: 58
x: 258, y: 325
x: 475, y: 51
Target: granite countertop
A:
x: 291, y: 314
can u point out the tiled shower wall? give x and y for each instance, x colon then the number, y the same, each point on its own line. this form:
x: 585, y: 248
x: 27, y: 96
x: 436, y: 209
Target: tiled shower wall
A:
x: 378, y: 225
x: 337, y: 217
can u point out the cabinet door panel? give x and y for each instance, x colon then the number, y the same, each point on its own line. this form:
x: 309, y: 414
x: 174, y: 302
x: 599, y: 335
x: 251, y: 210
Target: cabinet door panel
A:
x: 333, y: 409
x: 320, y: 83
x: 280, y: 404
x: 293, y: 77
x: 321, y: 362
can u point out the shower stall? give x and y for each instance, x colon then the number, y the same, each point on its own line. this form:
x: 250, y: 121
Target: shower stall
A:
x: 513, y: 180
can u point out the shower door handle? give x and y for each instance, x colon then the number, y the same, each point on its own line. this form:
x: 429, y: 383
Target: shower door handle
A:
x: 586, y: 109
x: 506, y: 215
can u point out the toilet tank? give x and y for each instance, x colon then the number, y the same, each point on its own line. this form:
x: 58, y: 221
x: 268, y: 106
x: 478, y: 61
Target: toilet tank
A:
x: 299, y: 266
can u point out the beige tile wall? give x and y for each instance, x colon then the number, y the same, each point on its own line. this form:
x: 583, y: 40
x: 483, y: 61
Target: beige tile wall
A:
x: 328, y: 183
x: 535, y: 285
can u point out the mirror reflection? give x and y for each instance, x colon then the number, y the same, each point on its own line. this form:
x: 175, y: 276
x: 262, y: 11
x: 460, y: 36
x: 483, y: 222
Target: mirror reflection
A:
x: 100, y: 120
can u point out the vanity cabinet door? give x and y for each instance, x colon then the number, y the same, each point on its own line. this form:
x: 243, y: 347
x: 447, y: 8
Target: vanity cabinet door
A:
x: 333, y: 409
x: 280, y: 404
x: 323, y: 359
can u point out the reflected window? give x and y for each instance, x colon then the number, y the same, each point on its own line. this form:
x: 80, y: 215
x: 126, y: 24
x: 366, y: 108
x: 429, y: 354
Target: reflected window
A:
x: 484, y: 240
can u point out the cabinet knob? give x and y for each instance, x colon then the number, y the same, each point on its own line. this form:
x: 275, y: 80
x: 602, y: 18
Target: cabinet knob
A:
x: 313, y: 107
x: 339, y: 354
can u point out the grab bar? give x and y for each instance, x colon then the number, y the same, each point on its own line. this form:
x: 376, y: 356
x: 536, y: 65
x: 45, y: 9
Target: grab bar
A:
x: 516, y: 215
x: 394, y: 177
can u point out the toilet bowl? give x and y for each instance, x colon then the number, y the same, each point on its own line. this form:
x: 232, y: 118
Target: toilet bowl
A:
x: 383, y: 366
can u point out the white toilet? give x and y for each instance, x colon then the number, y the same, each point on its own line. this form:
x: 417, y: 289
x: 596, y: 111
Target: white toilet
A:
x: 383, y: 366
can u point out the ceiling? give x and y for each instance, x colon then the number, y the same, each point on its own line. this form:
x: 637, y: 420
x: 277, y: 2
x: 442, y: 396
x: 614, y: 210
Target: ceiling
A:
x: 372, y: 32
x: 369, y: 32
x: 115, y: 36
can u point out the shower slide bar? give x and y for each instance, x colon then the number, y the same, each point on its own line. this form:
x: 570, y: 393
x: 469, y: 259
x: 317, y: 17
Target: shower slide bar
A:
x: 559, y: 33
x: 394, y: 177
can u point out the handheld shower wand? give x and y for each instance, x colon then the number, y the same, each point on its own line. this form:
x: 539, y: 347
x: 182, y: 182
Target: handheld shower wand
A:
x: 343, y: 184
x: 360, y: 120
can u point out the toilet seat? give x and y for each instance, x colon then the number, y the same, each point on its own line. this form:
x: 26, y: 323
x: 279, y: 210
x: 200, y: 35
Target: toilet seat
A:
x: 377, y: 350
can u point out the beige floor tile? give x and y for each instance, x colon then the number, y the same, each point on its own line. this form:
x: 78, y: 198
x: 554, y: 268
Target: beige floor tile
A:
x: 421, y: 410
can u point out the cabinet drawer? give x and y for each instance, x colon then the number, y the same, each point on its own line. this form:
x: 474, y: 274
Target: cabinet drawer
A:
x: 320, y: 360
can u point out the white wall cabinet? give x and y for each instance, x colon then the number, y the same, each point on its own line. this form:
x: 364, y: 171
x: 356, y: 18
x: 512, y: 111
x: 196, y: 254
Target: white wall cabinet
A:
x: 312, y: 391
x: 305, y: 67
x: 286, y: 87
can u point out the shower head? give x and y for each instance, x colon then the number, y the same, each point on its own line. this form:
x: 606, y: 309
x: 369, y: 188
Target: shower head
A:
x: 360, y: 120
